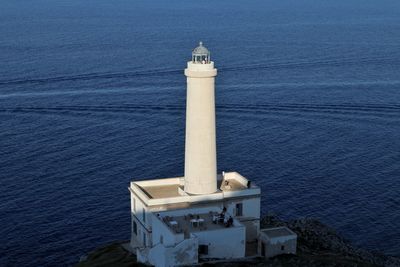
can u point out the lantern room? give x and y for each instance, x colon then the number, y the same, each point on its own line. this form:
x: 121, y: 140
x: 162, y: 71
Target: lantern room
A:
x: 201, y: 55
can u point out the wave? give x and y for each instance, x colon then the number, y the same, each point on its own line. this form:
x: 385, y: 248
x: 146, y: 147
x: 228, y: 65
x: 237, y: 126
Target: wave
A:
x: 361, y: 109
x: 311, y: 85
x: 315, y: 63
x: 89, y: 76
x: 240, y: 67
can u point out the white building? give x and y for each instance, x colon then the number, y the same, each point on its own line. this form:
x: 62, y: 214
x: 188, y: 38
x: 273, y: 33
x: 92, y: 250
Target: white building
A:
x: 181, y: 220
x: 276, y: 241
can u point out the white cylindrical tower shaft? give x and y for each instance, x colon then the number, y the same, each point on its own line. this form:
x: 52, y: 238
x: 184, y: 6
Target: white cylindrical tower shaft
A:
x: 200, y: 143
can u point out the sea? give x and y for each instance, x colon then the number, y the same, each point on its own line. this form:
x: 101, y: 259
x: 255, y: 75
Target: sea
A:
x: 92, y: 96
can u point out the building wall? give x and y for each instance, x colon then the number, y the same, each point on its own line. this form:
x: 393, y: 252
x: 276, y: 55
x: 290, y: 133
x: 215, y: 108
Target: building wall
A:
x: 250, y: 215
x: 184, y: 253
x: 143, y: 219
x: 160, y: 229
x: 224, y: 243
x: 278, y: 246
x: 252, y: 229
x: 140, y: 210
x: 251, y: 207
x: 142, y: 237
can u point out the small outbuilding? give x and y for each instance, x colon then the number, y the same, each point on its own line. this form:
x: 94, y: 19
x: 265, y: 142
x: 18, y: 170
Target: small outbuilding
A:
x: 276, y: 241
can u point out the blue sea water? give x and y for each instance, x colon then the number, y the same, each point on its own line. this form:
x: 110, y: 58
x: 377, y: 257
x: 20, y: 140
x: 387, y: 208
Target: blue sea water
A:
x: 92, y: 95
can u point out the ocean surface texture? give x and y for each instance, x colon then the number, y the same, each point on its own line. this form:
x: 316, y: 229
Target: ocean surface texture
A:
x: 92, y: 96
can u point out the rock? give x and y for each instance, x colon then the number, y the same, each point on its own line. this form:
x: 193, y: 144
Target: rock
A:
x: 316, y: 240
x: 109, y: 255
x: 317, y: 245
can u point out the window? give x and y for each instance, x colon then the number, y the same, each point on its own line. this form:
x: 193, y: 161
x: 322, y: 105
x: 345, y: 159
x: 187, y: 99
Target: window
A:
x: 282, y: 247
x: 135, y: 228
x: 144, y: 238
x: 161, y: 239
x: 144, y: 215
x: 263, y: 249
x: 239, y: 209
x: 203, y: 249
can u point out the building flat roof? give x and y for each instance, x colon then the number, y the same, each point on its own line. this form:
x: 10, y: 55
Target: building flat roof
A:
x: 161, y: 191
x: 277, y: 232
x: 171, y: 190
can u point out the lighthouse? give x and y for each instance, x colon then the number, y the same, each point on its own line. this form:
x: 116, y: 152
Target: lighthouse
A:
x: 200, y: 141
x: 201, y: 215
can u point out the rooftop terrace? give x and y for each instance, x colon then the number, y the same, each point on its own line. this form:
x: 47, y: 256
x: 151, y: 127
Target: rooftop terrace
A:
x: 191, y: 223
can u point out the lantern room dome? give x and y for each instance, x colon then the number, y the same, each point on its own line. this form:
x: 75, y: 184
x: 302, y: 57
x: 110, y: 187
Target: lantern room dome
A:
x: 201, y: 50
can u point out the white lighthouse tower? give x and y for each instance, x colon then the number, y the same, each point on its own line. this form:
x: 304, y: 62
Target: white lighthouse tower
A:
x: 202, y: 215
x: 200, y: 146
